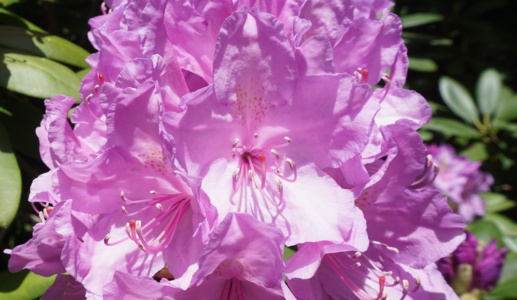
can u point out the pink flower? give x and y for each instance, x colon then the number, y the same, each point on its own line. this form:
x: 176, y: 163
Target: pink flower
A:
x: 259, y: 139
x: 242, y: 260
x: 337, y: 271
x: 460, y: 179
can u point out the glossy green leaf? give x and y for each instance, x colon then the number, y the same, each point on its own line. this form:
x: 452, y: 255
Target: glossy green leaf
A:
x: 9, y: 18
x: 83, y: 73
x: 23, y: 285
x: 450, y: 127
x: 496, y: 202
x: 6, y: 3
x: 476, y: 152
x: 507, y: 284
x: 413, y: 20
x: 21, y: 123
x: 484, y: 231
x: 510, y: 242
x: 45, y: 45
x: 10, y: 180
x: 36, y: 76
x: 506, y: 162
x: 422, y: 64
x: 507, y: 226
x: 488, y: 91
x: 458, y: 99
x: 507, y: 108
x: 436, y: 107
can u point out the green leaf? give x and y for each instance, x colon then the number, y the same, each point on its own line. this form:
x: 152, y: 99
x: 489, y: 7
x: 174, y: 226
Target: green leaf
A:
x: 288, y: 252
x: 422, y: 64
x: 413, y: 20
x: 497, y: 202
x: 6, y: 3
x: 506, y: 162
x: 458, y: 99
x: 508, y: 280
x: 488, y: 91
x: 425, y: 135
x: 10, y: 180
x: 450, y: 127
x: 436, y: 107
x: 42, y: 44
x: 507, y: 109
x: 36, y: 76
x: 21, y: 123
x: 507, y: 226
x: 510, y: 242
x: 83, y: 73
x: 7, y: 17
x: 476, y: 152
x: 23, y: 285
x: 484, y: 231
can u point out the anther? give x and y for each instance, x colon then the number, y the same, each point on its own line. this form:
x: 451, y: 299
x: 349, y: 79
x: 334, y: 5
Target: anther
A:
x: 397, y: 280
x: 236, y: 174
x: 277, y: 155
x: 153, y: 192
x: 405, y: 286
x: 291, y: 163
x: 141, y: 246
x: 233, y: 152
x: 107, y: 239
x: 250, y: 174
x: 356, y: 255
x: 287, y: 139
x: 279, y: 185
x: 96, y: 88
x: 279, y: 171
x: 235, y: 142
x: 124, y: 211
x: 389, y: 273
x: 255, y: 135
x: 417, y: 283
x: 88, y: 98
x: 357, y: 265
x: 159, y: 206
x: 123, y: 196
x: 392, y: 249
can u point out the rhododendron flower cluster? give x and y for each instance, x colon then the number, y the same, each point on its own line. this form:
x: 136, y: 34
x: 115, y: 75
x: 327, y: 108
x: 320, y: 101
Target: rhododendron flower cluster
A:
x: 213, y: 134
x: 461, y: 180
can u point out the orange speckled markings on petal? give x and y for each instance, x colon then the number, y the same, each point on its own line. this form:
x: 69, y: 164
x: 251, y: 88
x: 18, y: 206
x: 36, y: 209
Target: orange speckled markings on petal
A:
x: 252, y: 103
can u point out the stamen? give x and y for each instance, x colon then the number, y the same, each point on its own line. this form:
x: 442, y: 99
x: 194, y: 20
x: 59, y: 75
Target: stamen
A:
x: 277, y: 155
x: 405, y: 287
x: 235, y: 142
x: 392, y: 249
x: 107, y: 238
x: 262, y: 159
x: 152, y: 192
x: 159, y: 206
x: 279, y: 186
x: 124, y: 211
x: 291, y: 163
x: 236, y: 174
x: 123, y: 197
x: 103, y: 8
x: 359, y: 76
x: 384, y: 296
x: 87, y: 100
x: 255, y: 135
x: 356, y: 255
x: 389, y: 273
x: 288, y: 139
x: 41, y: 217
x: 96, y: 89
x: 417, y: 283
x: 233, y: 153
x: 357, y: 265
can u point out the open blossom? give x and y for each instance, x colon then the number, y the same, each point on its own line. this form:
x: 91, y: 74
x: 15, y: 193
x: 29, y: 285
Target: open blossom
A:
x: 148, y: 215
x: 338, y: 271
x: 473, y: 265
x: 242, y: 260
x: 260, y: 140
x: 461, y: 180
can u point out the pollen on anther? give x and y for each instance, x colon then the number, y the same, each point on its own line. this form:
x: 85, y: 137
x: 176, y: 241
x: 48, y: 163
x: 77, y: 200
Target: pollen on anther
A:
x: 107, y: 238
x: 124, y: 210
x: 153, y: 192
x: 123, y: 196
x: 288, y: 139
x: 159, y: 206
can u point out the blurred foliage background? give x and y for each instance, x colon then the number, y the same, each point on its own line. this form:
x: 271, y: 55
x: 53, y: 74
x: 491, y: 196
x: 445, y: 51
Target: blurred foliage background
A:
x: 463, y: 60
